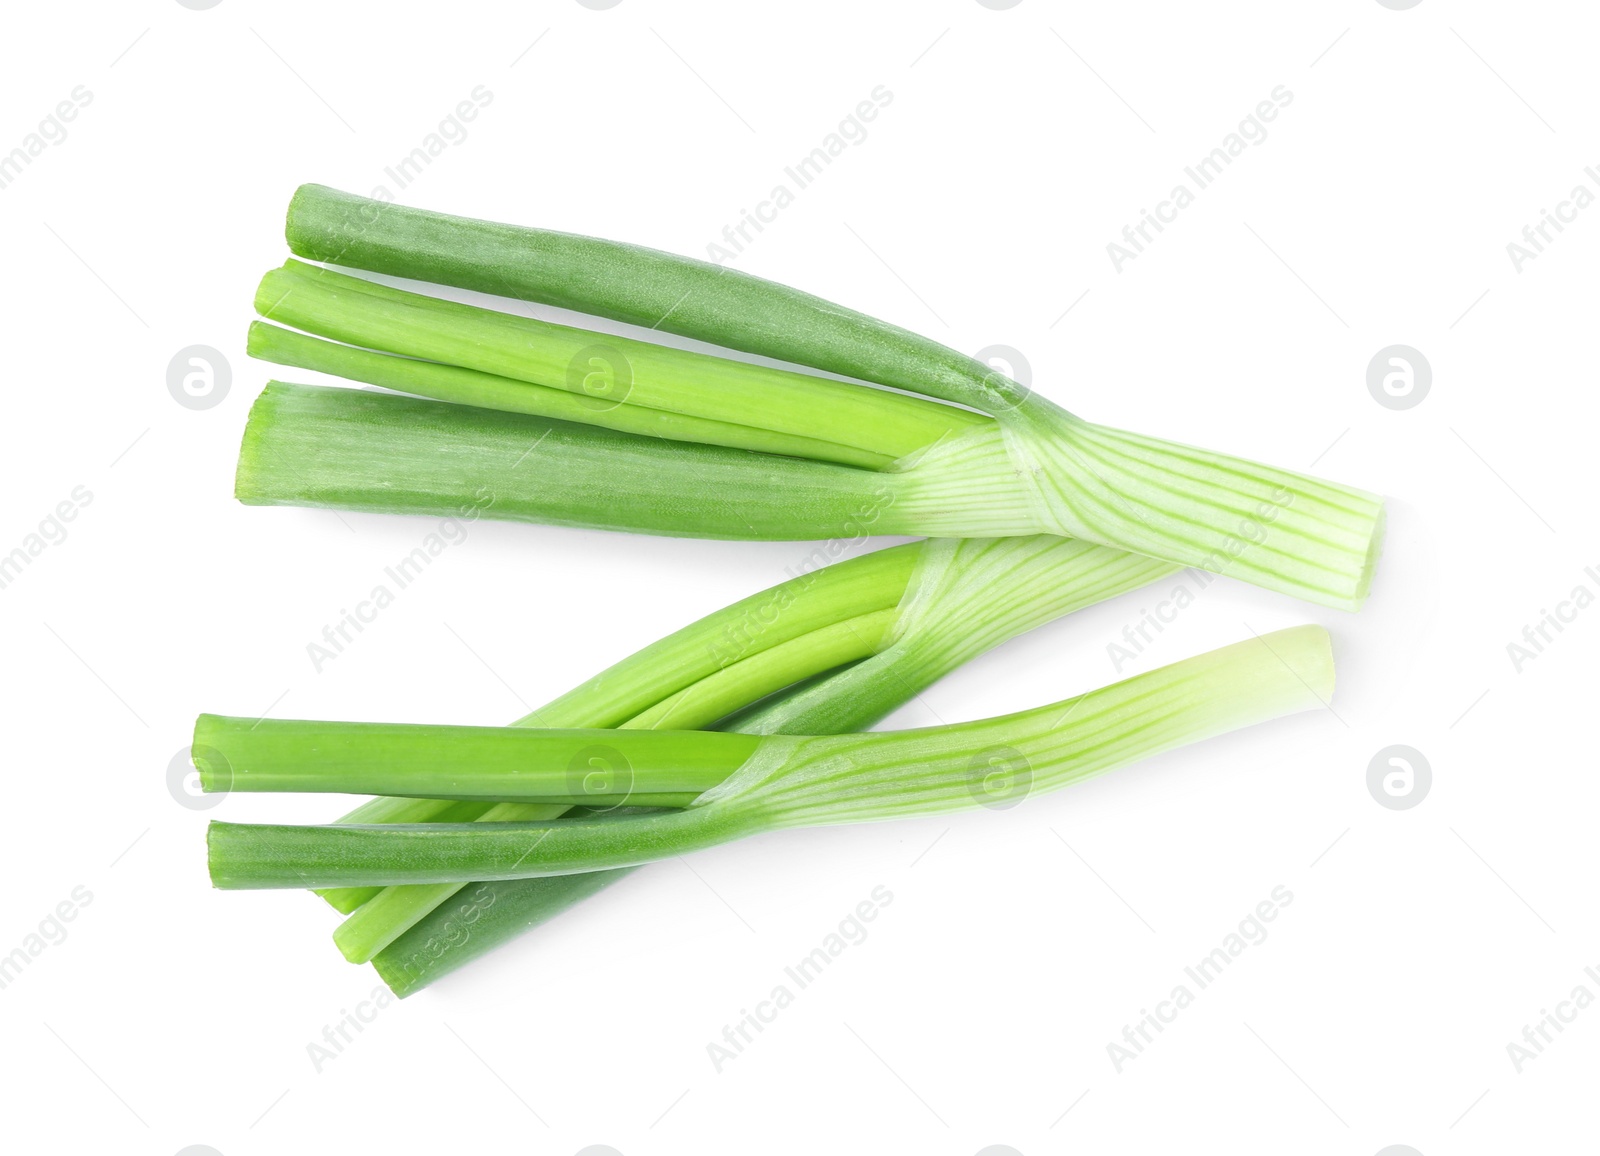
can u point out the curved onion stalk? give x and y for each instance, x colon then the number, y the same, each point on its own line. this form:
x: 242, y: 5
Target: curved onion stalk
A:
x: 894, y: 622
x: 795, y: 781
x: 1034, y: 469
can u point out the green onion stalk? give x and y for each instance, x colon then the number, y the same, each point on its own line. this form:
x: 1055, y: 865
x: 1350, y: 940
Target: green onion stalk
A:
x: 923, y: 440
x: 768, y: 782
x: 833, y: 649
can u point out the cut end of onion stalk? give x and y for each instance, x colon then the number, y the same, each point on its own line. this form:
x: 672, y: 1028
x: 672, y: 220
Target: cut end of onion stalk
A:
x: 211, y: 765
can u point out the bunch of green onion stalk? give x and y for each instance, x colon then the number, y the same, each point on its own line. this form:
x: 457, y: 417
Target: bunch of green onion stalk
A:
x: 749, y: 719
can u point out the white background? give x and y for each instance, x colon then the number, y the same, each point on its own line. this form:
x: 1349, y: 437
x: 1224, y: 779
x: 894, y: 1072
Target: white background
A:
x: 978, y: 210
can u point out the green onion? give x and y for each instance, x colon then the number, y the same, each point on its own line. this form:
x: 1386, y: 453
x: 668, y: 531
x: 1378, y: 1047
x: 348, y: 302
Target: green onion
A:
x: 470, y: 387
x: 1034, y: 469
x: 361, y: 450
x: 932, y: 606
x: 355, y: 449
x: 787, y: 781
x: 496, y: 764
x: 753, y: 406
x: 629, y: 283
x: 555, y: 424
